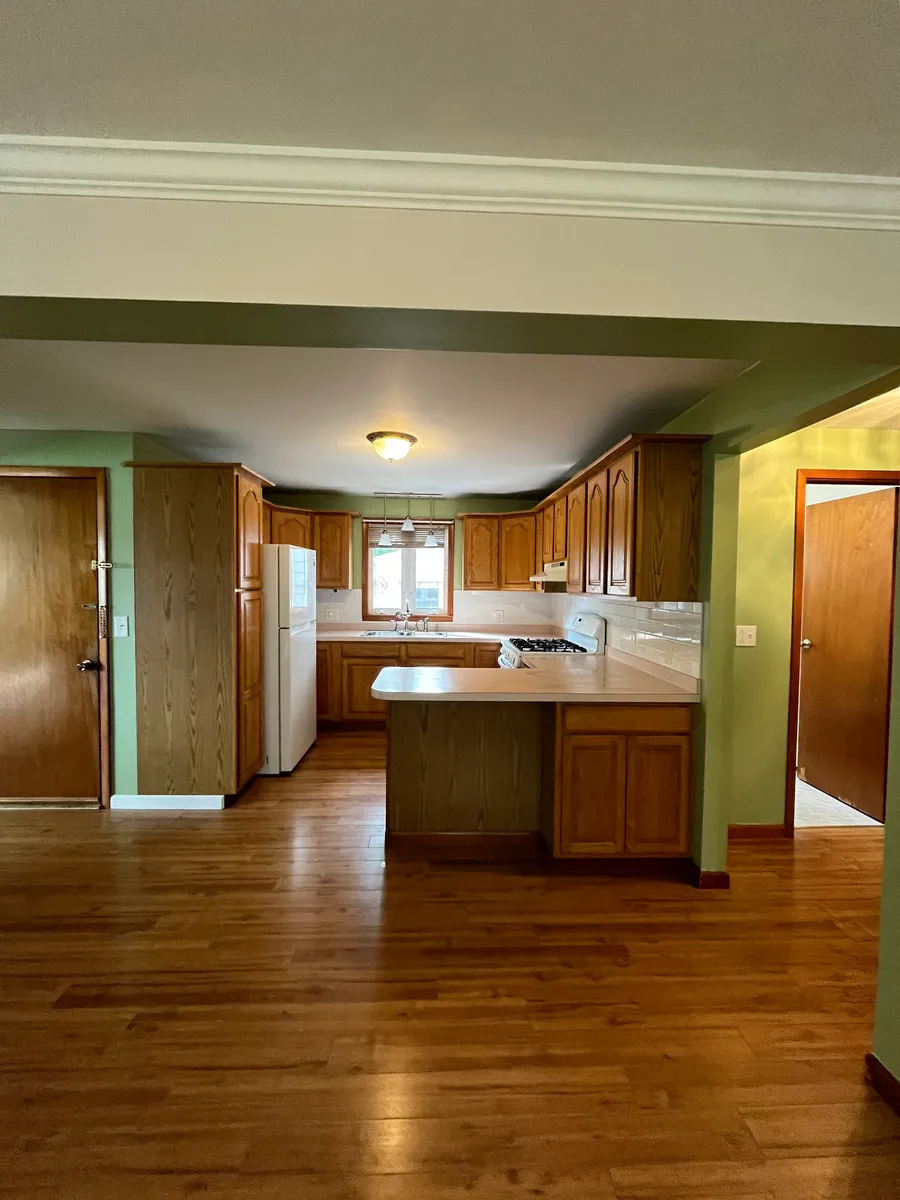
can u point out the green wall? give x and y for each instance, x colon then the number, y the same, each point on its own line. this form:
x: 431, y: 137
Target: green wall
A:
x: 764, y: 592
x: 40, y: 448
x: 372, y: 506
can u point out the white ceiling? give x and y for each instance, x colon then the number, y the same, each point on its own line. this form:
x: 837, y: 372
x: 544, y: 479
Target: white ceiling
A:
x: 760, y: 84
x: 882, y: 412
x: 486, y: 423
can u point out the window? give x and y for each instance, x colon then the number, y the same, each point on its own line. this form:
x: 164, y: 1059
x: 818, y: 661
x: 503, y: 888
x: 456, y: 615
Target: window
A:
x: 408, y: 572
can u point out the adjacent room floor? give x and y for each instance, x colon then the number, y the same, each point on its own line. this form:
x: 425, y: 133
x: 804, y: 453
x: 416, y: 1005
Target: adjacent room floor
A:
x: 814, y: 808
x: 251, y: 1004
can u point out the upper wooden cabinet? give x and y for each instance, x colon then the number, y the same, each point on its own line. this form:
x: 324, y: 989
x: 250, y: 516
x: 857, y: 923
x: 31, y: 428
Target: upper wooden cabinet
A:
x: 547, y: 535
x: 517, y: 534
x: 333, y: 544
x: 560, y: 525
x: 290, y: 527
x: 481, y: 553
x: 250, y: 532
x: 620, y: 547
x: 596, y: 537
x: 575, y: 538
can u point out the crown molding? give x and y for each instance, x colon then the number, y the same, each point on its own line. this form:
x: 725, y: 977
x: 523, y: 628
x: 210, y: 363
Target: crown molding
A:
x: 382, y: 179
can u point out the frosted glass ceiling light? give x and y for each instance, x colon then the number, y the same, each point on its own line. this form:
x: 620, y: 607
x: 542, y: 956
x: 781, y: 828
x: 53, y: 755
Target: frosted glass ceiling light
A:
x: 390, y: 445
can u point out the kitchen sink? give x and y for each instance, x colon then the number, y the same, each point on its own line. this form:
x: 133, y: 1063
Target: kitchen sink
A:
x: 415, y: 633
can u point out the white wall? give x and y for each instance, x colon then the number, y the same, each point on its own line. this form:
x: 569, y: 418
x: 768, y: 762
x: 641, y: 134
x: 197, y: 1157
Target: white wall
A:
x: 195, y: 250
x: 469, y: 608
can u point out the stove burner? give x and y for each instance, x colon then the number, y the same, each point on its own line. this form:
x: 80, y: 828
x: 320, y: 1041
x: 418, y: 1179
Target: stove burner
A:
x: 546, y: 646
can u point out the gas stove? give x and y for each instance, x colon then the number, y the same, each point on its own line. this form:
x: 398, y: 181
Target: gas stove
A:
x: 546, y: 645
x: 586, y: 634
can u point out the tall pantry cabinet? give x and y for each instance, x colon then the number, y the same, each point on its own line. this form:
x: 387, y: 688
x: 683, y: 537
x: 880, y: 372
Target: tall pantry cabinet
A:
x: 198, y: 529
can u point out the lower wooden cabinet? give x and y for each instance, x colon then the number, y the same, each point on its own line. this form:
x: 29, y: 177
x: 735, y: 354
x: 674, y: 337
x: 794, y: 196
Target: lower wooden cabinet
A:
x: 357, y: 677
x: 623, y: 781
x: 250, y: 701
x: 592, y: 794
x: 345, y: 671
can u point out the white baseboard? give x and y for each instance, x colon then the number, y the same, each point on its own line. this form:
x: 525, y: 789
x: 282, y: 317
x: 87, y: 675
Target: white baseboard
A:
x: 167, y: 803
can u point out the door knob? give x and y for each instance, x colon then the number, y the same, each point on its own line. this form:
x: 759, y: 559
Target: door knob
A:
x: 806, y: 644
x: 88, y: 664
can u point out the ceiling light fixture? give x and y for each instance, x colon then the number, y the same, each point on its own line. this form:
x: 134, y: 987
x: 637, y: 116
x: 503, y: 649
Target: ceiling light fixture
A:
x: 392, y: 446
x: 431, y: 542
x: 385, y: 539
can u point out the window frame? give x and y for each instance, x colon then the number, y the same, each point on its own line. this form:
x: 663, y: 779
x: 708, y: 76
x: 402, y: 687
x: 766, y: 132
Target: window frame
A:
x: 369, y: 614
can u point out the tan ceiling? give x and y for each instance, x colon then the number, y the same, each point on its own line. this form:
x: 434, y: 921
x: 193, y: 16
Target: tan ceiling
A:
x: 883, y: 412
x: 759, y: 84
x: 486, y: 423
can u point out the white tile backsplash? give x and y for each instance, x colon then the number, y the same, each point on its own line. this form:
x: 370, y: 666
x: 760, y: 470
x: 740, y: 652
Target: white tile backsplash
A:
x: 667, y: 634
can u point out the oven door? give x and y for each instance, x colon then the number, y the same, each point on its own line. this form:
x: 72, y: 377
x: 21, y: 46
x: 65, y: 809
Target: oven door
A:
x: 505, y: 664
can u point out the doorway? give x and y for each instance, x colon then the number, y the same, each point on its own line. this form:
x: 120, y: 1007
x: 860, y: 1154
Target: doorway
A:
x: 54, y: 680
x: 841, y: 643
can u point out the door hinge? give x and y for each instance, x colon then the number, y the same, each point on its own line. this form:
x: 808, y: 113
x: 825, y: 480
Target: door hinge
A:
x: 100, y: 566
x: 103, y: 621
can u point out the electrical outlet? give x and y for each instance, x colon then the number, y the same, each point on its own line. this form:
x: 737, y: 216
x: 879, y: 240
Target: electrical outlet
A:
x: 496, y: 614
x: 120, y: 627
x: 745, y: 635
x: 331, y: 614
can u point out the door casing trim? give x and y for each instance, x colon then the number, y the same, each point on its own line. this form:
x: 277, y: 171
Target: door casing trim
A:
x: 804, y: 478
x: 103, y: 598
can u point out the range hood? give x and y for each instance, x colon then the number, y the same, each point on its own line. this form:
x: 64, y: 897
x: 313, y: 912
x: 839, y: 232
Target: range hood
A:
x: 553, y: 572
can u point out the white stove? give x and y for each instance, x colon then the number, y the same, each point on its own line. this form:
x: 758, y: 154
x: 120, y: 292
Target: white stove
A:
x: 585, y: 634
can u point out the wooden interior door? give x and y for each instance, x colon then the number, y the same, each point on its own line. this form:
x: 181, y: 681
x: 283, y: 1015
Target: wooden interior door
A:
x: 49, y: 597
x: 595, y: 567
x: 620, y: 551
x: 848, y: 582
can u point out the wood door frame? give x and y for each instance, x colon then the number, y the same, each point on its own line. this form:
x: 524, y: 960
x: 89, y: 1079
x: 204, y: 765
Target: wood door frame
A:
x: 98, y: 474
x: 804, y: 478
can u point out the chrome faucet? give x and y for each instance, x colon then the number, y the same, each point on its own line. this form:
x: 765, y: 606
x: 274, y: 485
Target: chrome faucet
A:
x: 403, y: 615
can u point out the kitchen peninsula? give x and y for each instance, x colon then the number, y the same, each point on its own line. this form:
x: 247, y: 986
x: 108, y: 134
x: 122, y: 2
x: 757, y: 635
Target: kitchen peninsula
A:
x: 591, y: 759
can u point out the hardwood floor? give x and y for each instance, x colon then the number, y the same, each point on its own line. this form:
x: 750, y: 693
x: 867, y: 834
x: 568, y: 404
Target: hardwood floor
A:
x: 249, y: 1004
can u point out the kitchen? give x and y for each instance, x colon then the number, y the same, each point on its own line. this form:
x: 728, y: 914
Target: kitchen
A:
x: 559, y: 723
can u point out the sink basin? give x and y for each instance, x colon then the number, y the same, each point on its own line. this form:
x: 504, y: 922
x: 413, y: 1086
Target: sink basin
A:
x: 389, y: 633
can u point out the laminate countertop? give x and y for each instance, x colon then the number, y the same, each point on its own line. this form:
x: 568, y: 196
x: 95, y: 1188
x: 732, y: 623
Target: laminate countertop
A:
x: 363, y: 635
x: 603, y: 681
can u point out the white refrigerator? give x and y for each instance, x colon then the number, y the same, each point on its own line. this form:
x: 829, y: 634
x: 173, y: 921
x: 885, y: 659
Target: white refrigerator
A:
x: 289, y: 655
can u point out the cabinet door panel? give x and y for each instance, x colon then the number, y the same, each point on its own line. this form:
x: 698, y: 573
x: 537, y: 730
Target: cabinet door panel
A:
x: 595, y: 566
x: 485, y: 654
x: 291, y: 529
x: 481, y: 553
x: 324, y: 689
x: 357, y: 677
x: 592, y: 794
x: 560, y: 511
x: 575, y: 539
x: 517, y: 553
x: 332, y: 542
x: 658, y: 806
x: 267, y: 523
x: 547, y: 535
x: 250, y: 713
x: 434, y: 654
x: 249, y: 533
x: 620, y: 557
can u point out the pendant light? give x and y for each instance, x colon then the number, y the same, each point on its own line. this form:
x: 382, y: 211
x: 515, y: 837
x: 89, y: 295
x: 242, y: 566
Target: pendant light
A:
x: 385, y: 539
x: 407, y: 526
x: 431, y: 542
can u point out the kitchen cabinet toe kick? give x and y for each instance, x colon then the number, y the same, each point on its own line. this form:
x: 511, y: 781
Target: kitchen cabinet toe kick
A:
x: 493, y: 780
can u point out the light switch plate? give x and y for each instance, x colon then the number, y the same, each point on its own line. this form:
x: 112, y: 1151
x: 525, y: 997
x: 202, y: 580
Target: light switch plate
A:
x: 120, y: 627
x: 496, y: 614
x: 745, y: 635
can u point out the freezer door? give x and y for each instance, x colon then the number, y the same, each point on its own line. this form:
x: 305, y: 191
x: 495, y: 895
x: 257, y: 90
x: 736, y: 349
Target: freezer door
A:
x: 297, y: 681
x: 296, y: 586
